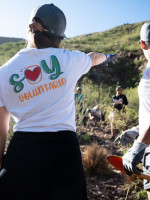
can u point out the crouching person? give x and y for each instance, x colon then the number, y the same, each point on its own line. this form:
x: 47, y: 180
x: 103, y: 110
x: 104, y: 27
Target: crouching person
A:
x: 94, y: 115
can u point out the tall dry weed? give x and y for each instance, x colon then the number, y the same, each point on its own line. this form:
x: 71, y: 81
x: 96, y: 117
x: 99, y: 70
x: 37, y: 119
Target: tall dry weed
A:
x: 95, y: 160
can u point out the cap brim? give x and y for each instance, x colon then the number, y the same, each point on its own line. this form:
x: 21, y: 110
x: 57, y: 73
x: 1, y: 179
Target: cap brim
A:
x: 64, y: 37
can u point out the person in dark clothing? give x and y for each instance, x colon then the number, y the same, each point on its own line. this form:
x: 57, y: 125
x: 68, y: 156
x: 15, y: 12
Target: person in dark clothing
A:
x: 119, y: 100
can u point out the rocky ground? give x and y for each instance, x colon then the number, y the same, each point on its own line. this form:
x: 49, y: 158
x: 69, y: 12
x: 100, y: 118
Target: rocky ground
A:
x: 106, y: 187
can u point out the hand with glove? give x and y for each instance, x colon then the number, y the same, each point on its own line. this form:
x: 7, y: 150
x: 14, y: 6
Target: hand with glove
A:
x: 110, y: 58
x: 133, y: 157
x: 127, y: 136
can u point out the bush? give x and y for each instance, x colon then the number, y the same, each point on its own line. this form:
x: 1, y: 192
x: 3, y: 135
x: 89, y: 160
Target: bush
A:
x: 135, y: 190
x: 101, y: 95
x: 10, y: 133
x: 95, y: 160
x: 133, y: 99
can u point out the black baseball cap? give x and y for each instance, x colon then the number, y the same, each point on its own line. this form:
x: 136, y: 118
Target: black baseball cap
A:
x: 52, y: 18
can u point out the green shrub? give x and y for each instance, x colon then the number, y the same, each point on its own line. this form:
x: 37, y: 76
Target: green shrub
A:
x: 10, y: 133
x: 85, y: 137
x: 135, y: 189
x: 9, y: 49
x: 133, y: 99
x: 138, y: 62
x: 102, y: 95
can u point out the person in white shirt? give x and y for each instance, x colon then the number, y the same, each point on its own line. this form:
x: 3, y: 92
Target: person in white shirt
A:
x: 43, y: 160
x: 140, y: 149
x: 94, y: 115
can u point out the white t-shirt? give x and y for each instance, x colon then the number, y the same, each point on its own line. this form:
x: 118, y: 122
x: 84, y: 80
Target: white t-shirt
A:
x: 144, y: 100
x: 37, y: 88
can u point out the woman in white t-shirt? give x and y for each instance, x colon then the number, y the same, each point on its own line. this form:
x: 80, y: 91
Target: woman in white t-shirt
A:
x: 43, y: 160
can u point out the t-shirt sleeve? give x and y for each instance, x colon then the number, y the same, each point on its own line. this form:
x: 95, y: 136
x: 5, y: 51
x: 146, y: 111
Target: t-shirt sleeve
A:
x: 113, y: 98
x: 1, y: 99
x: 1, y: 102
x: 125, y: 101
x: 81, y: 63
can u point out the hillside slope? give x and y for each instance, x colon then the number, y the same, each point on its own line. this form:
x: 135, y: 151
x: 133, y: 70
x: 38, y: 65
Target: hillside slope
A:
x: 9, y: 39
x: 114, y: 40
x: 122, y: 40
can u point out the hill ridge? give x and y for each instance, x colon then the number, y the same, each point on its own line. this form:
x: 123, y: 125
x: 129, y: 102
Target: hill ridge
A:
x: 121, y: 40
x: 9, y: 39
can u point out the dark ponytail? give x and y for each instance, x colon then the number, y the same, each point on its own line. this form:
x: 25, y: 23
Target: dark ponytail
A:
x: 43, y: 39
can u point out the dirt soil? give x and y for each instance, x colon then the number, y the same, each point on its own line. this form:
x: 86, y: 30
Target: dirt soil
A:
x: 106, y: 187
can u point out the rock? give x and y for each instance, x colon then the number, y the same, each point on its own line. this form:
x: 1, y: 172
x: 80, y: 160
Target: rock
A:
x: 110, y: 180
x: 119, y: 191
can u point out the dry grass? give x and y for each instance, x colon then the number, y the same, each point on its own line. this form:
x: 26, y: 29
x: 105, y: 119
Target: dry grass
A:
x: 95, y: 160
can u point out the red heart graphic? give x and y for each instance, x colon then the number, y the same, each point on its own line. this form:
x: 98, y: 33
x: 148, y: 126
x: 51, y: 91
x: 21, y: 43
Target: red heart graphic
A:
x: 33, y: 75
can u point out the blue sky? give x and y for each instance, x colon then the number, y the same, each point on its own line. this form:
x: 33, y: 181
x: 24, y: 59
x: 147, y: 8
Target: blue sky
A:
x: 83, y: 16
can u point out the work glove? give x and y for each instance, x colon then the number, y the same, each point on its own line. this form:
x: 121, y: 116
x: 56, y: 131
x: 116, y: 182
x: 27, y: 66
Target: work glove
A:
x: 133, y: 157
x: 110, y: 58
x: 127, y: 136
